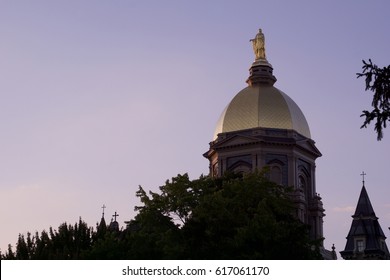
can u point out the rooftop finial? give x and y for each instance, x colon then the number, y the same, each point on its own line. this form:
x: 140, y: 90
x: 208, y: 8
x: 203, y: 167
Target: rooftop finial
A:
x: 363, y: 174
x: 103, y: 207
x: 261, y: 70
x: 259, y: 45
x: 115, y: 215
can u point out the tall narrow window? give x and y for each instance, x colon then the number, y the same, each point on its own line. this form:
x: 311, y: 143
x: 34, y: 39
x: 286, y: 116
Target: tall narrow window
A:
x: 276, y: 174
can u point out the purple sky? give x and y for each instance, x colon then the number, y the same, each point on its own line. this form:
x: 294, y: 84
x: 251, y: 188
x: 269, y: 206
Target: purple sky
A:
x: 98, y: 97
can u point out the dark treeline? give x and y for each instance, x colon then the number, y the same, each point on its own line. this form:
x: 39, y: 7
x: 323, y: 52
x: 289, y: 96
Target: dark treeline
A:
x: 233, y: 217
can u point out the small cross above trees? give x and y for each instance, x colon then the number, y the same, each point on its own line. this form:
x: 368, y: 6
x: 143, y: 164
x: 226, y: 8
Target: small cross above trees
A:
x: 103, y: 207
x: 115, y: 215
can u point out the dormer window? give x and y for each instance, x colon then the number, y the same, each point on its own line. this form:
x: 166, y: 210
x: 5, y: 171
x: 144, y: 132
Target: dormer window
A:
x: 360, y: 246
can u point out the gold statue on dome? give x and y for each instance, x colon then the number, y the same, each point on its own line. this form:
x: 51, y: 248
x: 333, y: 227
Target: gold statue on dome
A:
x: 259, y: 45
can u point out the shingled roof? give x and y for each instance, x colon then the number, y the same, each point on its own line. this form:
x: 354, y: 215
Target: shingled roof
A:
x: 365, y: 228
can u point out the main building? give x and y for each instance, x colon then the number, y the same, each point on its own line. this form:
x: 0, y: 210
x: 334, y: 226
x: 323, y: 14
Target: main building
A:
x: 262, y: 126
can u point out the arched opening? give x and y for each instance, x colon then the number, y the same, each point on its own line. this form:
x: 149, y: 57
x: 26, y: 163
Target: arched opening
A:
x: 276, y: 174
x: 241, y: 167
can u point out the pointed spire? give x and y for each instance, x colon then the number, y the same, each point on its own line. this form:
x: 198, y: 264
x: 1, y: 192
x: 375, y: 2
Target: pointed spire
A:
x: 364, y: 207
x: 365, y: 239
x: 102, y: 227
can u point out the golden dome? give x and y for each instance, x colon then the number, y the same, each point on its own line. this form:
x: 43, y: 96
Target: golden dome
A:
x: 262, y: 105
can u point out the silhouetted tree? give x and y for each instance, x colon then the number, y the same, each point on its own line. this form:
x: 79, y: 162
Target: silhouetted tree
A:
x: 378, y: 81
x: 9, y: 255
x: 226, y: 218
x: 22, y: 252
x: 107, y: 247
x: 68, y: 242
x: 233, y: 217
x: 42, y: 246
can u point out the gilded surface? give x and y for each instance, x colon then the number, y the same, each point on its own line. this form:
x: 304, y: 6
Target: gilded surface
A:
x: 263, y: 106
x: 259, y: 45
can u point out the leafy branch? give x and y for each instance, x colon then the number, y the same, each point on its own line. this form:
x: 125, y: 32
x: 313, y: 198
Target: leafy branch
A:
x: 378, y: 81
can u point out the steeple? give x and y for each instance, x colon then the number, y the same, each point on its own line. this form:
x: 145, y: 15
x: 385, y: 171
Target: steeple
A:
x: 102, y: 227
x: 103, y: 221
x: 103, y: 207
x: 261, y: 70
x: 364, y: 207
x: 365, y: 239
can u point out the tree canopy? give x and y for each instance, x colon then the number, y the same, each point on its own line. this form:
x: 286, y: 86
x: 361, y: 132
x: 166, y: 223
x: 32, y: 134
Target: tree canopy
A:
x: 234, y: 217
x: 68, y: 242
x: 378, y: 81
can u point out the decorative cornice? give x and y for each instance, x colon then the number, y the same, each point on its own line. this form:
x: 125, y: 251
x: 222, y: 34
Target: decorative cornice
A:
x: 264, y: 137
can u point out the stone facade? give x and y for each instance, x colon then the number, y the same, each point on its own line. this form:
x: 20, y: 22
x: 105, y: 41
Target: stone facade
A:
x: 290, y: 158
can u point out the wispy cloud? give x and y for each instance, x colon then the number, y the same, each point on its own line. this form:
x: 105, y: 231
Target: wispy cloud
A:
x: 347, y: 209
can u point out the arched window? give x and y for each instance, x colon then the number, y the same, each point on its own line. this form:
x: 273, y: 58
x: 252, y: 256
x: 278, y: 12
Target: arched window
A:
x: 240, y: 164
x: 242, y: 169
x: 277, y: 170
x: 276, y: 174
x: 304, y: 180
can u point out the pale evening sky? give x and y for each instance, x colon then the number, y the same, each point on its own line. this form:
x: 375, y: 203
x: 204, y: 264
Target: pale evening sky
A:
x: 98, y: 97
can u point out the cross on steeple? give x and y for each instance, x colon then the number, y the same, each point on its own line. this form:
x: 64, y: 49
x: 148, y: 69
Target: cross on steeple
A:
x: 363, y: 174
x: 103, y: 207
x: 115, y: 215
